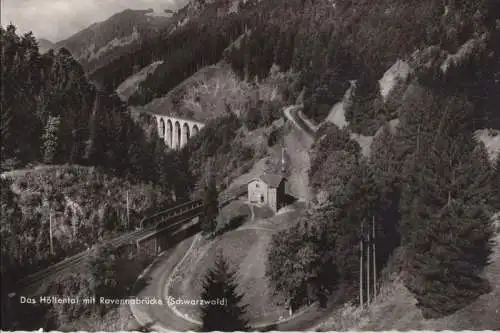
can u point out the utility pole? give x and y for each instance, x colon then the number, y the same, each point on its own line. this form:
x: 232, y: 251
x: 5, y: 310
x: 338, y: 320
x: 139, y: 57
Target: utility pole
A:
x: 361, y: 269
x: 368, y: 269
x: 50, y: 234
x: 283, y: 161
x: 74, y: 229
x: 128, y: 212
x: 374, y: 261
x: 418, y: 139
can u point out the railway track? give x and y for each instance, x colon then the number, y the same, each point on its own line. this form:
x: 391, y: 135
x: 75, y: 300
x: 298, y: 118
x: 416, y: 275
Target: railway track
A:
x: 75, y: 261
x: 165, y: 220
x: 161, y: 221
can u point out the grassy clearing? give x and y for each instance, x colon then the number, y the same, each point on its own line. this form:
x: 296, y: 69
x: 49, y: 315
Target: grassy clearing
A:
x: 297, y: 163
x: 128, y: 87
x: 245, y: 250
x: 258, y: 168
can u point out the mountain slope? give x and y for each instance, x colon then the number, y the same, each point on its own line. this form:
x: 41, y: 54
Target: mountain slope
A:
x: 101, y: 42
x: 44, y: 45
x: 129, y: 87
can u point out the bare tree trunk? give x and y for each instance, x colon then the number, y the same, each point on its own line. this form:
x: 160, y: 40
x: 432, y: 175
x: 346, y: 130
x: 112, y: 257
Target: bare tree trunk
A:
x: 374, y: 261
x: 50, y: 234
x: 128, y: 212
x: 75, y: 221
x: 368, y: 269
x: 361, y: 269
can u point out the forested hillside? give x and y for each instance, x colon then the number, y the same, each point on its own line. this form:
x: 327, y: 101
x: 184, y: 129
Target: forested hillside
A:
x: 102, y: 42
x: 328, y: 45
x: 51, y: 115
x: 78, y: 206
x: 428, y: 186
x: 197, y: 38
x: 359, y: 40
x: 425, y: 184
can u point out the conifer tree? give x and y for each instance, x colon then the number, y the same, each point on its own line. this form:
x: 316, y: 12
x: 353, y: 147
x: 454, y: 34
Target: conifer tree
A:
x: 210, y: 208
x: 358, y: 204
x: 50, y: 139
x: 448, y: 229
x: 10, y: 215
x: 382, y: 156
x: 220, y: 286
x: 362, y: 111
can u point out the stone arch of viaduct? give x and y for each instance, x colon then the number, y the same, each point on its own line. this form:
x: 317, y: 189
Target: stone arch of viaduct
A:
x: 177, y: 131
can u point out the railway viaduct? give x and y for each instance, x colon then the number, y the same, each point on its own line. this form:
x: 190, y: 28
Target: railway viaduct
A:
x: 177, y: 131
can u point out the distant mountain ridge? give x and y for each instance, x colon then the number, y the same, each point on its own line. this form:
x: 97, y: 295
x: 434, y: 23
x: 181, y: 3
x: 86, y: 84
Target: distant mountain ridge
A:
x: 44, y: 45
x: 101, y: 42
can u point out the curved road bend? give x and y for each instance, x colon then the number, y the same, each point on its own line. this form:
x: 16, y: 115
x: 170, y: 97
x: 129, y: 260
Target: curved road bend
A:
x: 160, y: 317
x: 291, y: 114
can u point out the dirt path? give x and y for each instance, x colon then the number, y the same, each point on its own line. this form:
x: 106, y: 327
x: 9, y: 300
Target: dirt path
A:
x: 298, y: 145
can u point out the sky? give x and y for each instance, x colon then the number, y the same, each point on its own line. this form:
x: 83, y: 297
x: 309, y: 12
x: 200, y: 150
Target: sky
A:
x: 56, y: 20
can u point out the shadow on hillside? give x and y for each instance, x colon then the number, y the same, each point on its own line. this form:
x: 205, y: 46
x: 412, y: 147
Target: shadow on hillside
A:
x: 140, y: 285
x: 232, y: 224
x: 263, y: 212
x: 289, y: 199
x: 127, y: 273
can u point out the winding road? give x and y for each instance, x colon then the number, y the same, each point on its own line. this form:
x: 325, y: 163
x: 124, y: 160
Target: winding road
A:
x: 291, y: 113
x: 162, y: 318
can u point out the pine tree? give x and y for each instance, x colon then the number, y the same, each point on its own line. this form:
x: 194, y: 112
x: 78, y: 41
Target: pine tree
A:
x: 448, y: 264
x: 447, y: 227
x: 358, y: 203
x: 210, y: 208
x: 10, y: 215
x: 219, y: 286
x: 382, y: 156
x: 362, y: 111
x: 50, y: 139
